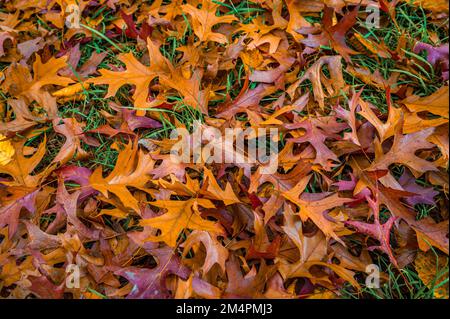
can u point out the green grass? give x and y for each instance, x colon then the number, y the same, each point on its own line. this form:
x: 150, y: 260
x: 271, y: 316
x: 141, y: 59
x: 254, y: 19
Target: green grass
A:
x: 245, y: 11
x: 423, y: 210
x: 414, y: 24
x: 403, y: 284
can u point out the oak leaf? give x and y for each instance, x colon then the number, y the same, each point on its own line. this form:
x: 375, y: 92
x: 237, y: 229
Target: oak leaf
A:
x: 317, y: 209
x: 205, y: 18
x: 151, y: 283
x: 136, y: 74
x: 215, y: 252
x: 403, y: 151
x: 381, y: 232
x: 436, y: 103
x: 180, y: 215
x: 73, y: 132
x: 189, y: 88
x: 10, y: 213
x: 20, y: 83
x: 131, y: 170
x: 21, y: 167
x: 312, y: 253
x: 249, y: 286
x: 428, y: 231
x: 334, y: 34
x: 427, y: 264
x: 6, y: 150
x: 214, y: 191
x: 333, y: 84
x: 435, y: 5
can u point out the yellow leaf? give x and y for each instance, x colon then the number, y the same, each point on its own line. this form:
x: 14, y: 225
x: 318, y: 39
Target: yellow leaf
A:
x: 6, y: 150
x: 322, y: 294
x: 71, y: 90
x: 205, y: 18
x: 436, y: 103
x: 433, y: 5
x: 373, y: 47
x: 215, y: 192
x: 115, y: 212
x: 429, y: 267
x: 135, y: 74
x: 179, y: 216
x: 251, y: 58
x: 131, y: 170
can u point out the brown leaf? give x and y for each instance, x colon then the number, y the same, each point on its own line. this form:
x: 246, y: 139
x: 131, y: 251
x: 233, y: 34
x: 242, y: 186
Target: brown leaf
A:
x: 205, y: 18
x: 333, y: 84
x: 215, y: 252
x: 136, y: 74
x: 180, y: 215
x: 436, y: 103
x: 131, y: 170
